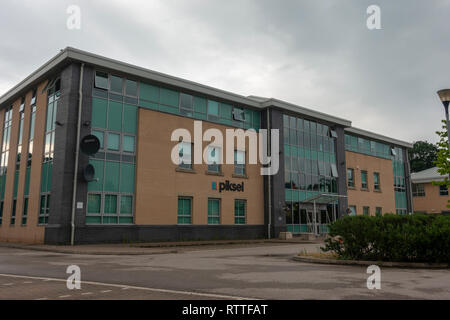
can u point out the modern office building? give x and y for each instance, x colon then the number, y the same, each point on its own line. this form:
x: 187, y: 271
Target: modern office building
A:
x: 429, y: 198
x: 327, y: 168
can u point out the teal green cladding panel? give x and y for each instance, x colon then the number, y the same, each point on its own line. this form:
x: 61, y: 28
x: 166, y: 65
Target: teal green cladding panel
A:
x: 130, y: 119
x: 127, y: 178
x: 115, y: 116
x: 169, y: 97
x: 99, y: 107
x: 112, y: 171
x: 148, y: 92
x: 99, y: 166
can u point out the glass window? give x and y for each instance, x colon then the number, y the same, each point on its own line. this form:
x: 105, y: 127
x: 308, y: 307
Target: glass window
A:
x: 200, y: 105
x: 131, y: 88
x: 213, y: 211
x: 213, y: 108
x: 185, y: 155
x: 333, y: 134
x: 94, y: 203
x: 378, y: 211
x: 352, y: 210
x: 214, y: 159
x: 364, y: 179
x: 350, y: 178
x: 366, y: 211
x: 113, y: 141
x: 239, y: 211
x: 443, y: 191
x: 128, y: 144
x: 239, y: 162
x: 334, y: 171
x: 184, y: 210
x: 186, y: 101
x: 116, y: 84
x: 226, y: 111
x: 101, y: 80
x: 126, y: 205
x: 376, y: 181
x: 111, y: 203
x: 418, y: 190
x: 238, y: 114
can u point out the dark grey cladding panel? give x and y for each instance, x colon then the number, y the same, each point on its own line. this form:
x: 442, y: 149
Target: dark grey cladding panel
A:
x: 342, y: 171
x: 63, y: 162
x: 58, y: 229
x: 83, y: 160
x: 134, y: 233
x: 407, y: 168
x: 277, y: 181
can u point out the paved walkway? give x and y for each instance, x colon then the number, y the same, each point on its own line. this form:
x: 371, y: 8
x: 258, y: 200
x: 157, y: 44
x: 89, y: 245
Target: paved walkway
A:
x: 149, y: 248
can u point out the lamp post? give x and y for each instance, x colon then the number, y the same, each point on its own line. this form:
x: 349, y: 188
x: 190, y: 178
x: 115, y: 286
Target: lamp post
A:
x: 444, y: 95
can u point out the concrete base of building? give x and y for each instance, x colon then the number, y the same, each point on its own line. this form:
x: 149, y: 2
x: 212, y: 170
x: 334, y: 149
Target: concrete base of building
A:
x: 135, y: 233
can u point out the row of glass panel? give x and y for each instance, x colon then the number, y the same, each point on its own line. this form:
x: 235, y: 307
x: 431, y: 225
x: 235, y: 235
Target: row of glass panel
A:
x: 367, y: 146
x: 214, y: 159
x: 167, y: 100
x: 109, y: 208
x: 214, y: 211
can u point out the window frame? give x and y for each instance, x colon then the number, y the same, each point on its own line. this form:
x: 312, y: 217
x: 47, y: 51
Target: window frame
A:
x: 215, y: 167
x: 366, y: 211
x: 376, y: 184
x: 184, y: 216
x: 364, y: 184
x: 244, y: 216
x: 218, y: 216
x: 351, y: 182
x: 181, y: 164
x: 418, y: 190
x: 240, y: 168
x: 442, y: 192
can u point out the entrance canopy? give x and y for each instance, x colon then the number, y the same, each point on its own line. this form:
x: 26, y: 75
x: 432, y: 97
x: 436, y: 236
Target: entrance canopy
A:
x: 323, y: 198
x: 316, y: 223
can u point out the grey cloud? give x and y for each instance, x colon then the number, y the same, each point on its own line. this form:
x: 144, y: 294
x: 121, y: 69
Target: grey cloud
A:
x: 318, y: 54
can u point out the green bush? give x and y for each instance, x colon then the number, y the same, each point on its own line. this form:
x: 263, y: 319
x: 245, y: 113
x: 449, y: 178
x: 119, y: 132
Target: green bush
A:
x: 405, y: 238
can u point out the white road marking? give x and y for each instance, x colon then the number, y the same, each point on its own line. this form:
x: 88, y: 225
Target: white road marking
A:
x: 126, y: 288
x: 189, y: 293
x: 86, y: 293
x: 105, y: 291
x: 66, y: 296
x: 7, y: 284
x: 42, y: 299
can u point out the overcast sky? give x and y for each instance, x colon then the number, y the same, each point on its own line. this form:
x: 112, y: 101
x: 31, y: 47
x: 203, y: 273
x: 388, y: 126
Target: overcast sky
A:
x: 317, y: 54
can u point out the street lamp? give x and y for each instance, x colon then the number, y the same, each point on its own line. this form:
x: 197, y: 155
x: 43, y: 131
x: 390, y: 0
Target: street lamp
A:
x: 444, y: 95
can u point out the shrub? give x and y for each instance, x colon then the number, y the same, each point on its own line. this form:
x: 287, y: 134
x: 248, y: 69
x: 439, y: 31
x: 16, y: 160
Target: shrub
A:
x: 406, y: 238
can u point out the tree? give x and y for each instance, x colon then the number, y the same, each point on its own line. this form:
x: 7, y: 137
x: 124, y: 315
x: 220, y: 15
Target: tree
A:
x: 443, y: 156
x: 422, y: 156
